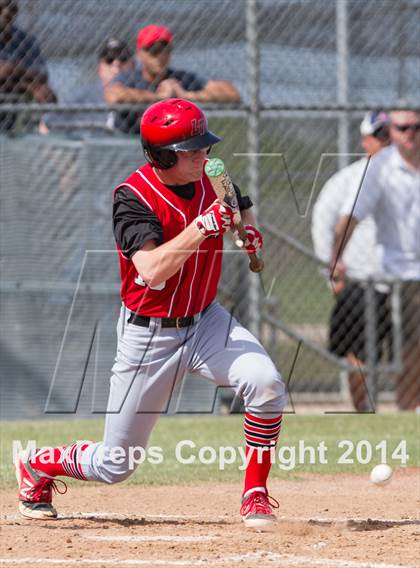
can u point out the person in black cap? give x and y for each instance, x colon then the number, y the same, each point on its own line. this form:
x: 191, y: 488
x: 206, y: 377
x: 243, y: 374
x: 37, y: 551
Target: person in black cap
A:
x: 114, y: 57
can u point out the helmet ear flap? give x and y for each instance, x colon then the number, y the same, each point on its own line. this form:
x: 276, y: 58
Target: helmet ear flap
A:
x: 159, y: 158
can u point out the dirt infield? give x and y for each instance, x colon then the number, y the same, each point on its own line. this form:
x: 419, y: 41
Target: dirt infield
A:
x: 332, y: 521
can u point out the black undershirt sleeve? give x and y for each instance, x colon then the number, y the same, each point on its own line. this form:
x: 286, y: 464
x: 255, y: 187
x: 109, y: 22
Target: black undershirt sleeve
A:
x: 243, y: 200
x: 134, y: 223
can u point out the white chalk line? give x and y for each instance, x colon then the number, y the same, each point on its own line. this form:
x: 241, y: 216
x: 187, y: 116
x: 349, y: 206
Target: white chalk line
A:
x: 146, y: 538
x: 214, y: 518
x: 121, y: 517
x: 273, y: 558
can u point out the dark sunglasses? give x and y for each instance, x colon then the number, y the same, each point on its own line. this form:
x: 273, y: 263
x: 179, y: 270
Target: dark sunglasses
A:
x: 405, y: 127
x: 158, y: 47
x: 111, y: 58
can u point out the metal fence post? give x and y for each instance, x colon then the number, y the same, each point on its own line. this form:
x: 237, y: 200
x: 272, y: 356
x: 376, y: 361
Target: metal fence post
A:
x: 253, y: 62
x: 396, y: 325
x: 342, y: 81
x: 371, y: 341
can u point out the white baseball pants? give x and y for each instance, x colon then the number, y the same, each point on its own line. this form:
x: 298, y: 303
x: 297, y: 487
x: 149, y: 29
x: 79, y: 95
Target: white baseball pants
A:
x: 151, y: 361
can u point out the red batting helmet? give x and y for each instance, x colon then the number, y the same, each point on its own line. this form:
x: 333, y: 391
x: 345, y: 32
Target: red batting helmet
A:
x: 170, y: 126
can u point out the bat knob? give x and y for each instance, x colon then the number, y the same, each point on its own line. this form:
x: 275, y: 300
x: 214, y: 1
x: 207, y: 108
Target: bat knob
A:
x: 256, y: 264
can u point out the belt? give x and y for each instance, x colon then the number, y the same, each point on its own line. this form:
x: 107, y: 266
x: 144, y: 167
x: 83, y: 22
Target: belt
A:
x: 179, y: 322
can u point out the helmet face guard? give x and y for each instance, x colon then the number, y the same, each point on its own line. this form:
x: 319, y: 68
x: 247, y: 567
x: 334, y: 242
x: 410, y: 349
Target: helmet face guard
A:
x: 170, y: 126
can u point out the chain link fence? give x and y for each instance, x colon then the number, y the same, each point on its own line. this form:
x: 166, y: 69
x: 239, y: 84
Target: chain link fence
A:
x: 306, y: 72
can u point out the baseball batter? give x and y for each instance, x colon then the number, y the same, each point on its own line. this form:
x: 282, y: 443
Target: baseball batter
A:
x: 169, y: 231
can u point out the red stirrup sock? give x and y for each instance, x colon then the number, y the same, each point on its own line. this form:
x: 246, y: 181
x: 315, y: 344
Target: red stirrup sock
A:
x: 60, y: 461
x: 261, y: 436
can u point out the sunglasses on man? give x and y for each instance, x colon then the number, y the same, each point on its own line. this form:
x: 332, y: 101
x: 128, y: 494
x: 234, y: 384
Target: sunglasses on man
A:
x: 405, y: 127
x: 109, y: 59
x: 158, y: 47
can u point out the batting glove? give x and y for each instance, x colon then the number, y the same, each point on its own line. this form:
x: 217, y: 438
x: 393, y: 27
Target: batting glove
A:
x: 215, y: 220
x: 254, y: 240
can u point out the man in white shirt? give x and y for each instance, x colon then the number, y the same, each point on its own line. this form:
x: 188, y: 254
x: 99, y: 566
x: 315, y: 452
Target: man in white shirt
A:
x: 391, y: 194
x: 362, y: 258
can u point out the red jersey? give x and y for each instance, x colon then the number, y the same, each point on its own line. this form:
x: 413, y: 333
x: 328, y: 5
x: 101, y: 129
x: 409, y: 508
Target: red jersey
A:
x: 194, y: 286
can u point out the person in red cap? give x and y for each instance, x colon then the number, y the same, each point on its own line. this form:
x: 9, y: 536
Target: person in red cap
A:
x: 153, y: 79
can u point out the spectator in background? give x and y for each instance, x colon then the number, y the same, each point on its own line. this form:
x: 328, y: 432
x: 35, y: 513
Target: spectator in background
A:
x: 362, y: 258
x: 153, y: 79
x: 22, y: 67
x: 114, y: 57
x: 391, y: 194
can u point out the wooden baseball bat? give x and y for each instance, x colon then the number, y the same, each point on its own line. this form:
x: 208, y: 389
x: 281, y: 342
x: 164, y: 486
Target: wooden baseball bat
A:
x: 223, y: 188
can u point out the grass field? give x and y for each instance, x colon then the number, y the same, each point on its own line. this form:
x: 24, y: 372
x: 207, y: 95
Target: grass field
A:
x: 388, y: 430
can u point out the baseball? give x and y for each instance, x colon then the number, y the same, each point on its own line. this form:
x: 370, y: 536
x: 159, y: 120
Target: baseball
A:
x: 381, y: 474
